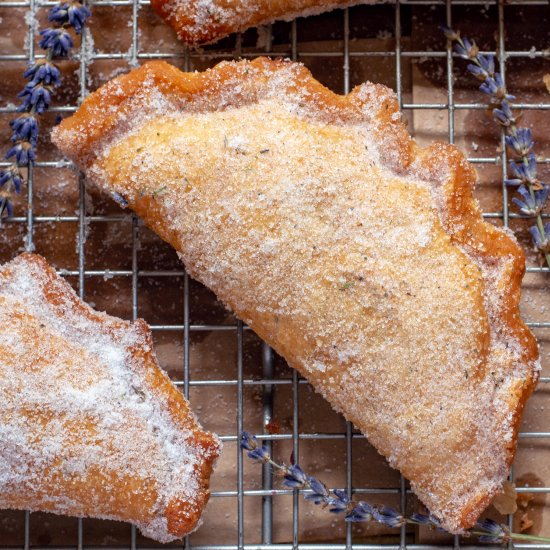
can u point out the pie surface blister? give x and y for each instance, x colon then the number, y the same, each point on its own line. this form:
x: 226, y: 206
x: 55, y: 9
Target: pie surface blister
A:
x: 360, y: 257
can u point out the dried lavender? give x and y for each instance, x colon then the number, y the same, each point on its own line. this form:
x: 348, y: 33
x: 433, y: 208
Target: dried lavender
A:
x: 338, y: 502
x: 43, y: 78
x: 533, y: 193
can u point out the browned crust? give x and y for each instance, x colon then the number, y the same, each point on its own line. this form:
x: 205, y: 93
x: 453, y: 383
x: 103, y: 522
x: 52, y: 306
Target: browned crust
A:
x: 480, y: 239
x: 195, y: 26
x: 182, y: 516
x: 463, y: 221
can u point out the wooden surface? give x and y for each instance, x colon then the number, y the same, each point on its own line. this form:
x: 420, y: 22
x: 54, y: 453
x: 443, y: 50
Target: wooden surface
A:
x: 213, y: 355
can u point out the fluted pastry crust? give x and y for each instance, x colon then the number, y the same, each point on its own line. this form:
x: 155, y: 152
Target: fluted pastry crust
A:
x: 204, y: 21
x: 90, y: 426
x: 360, y: 257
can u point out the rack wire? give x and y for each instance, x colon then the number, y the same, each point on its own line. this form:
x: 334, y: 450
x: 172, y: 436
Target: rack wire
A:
x: 265, y: 378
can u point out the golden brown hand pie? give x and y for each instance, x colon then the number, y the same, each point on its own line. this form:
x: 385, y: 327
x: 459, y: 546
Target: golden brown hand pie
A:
x: 203, y: 21
x: 90, y: 425
x: 360, y: 257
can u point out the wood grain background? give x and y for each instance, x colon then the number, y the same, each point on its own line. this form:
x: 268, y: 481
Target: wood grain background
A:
x: 213, y: 355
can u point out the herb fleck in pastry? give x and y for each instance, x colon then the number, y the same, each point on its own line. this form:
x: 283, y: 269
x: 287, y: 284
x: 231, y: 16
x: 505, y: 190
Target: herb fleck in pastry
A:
x: 89, y: 424
x: 203, y: 21
x: 360, y: 257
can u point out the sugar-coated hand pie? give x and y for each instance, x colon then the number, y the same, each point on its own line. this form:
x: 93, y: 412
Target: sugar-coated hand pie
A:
x: 360, y: 257
x: 90, y: 426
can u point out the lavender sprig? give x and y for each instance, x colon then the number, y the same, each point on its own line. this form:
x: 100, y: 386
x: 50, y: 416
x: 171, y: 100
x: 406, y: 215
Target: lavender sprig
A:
x: 533, y: 192
x: 43, y: 78
x: 338, y: 502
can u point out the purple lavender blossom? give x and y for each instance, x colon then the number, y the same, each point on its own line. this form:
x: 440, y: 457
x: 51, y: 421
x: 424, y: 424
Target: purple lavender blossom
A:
x: 540, y: 237
x: 43, y: 76
x: 338, y: 502
x: 23, y: 152
x: 527, y: 171
x: 35, y: 98
x: 59, y: 41
x: 521, y: 142
x: 43, y: 72
x: 533, y: 193
x: 504, y: 115
x: 495, y: 532
x: 361, y: 512
x: 25, y: 128
x: 295, y: 478
x: 11, y: 176
x: 73, y: 14
x: 320, y: 491
x: 533, y: 202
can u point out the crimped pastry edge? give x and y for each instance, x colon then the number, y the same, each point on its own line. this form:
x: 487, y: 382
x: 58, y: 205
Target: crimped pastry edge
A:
x: 81, y: 135
x: 182, y: 517
x: 193, y: 34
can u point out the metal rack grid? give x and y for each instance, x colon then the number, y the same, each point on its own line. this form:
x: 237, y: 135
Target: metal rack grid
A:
x: 267, y: 380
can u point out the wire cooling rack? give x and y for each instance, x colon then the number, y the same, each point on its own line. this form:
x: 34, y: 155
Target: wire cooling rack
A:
x: 265, y: 377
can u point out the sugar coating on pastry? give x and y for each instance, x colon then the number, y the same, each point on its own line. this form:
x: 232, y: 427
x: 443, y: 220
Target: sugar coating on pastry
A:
x: 359, y: 257
x: 204, y: 21
x: 89, y: 424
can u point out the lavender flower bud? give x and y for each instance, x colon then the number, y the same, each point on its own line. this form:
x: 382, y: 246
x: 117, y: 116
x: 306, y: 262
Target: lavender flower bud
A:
x: 17, y: 179
x: 123, y: 203
x: 501, y: 92
x: 295, y: 478
x: 541, y: 241
x: 320, y: 491
x: 23, y: 153
x: 450, y: 33
x: 73, y: 14
x: 478, y: 72
x: 35, y: 97
x: 6, y: 206
x: 248, y: 441
x: 495, y: 532
x: 59, y: 14
x: 12, y: 175
x: 388, y: 516
x: 25, y: 128
x: 362, y: 511
x: 521, y: 143
x: 487, y: 63
x: 531, y: 205
x: 526, y: 172
x: 59, y: 41
x: 339, y: 502
x: 541, y: 196
x: 5, y: 176
x: 489, y: 87
x: 467, y: 50
x: 504, y: 115
x: 512, y: 182
x: 43, y: 72
x: 78, y: 14
x: 260, y: 454
x: 494, y: 86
